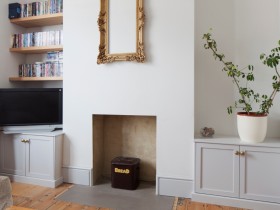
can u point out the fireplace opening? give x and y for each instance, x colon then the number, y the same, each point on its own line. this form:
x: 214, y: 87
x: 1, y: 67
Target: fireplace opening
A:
x: 127, y: 136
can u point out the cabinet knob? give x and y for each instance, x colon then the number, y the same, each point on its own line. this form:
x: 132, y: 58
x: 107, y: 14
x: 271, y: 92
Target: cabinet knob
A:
x: 242, y: 153
x: 25, y: 140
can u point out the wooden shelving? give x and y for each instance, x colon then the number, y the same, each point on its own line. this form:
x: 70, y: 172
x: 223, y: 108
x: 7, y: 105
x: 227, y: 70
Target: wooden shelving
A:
x: 33, y: 79
x: 37, y: 21
x: 37, y: 50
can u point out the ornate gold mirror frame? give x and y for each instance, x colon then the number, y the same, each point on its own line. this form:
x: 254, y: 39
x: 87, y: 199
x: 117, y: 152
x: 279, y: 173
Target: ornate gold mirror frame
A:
x: 103, y: 24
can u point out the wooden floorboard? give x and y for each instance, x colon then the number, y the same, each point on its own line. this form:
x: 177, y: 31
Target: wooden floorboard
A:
x: 29, y: 197
x: 187, y: 204
x: 43, y: 198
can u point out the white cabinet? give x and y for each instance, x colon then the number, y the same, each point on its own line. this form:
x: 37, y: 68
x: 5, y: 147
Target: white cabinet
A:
x: 12, y: 155
x: 233, y: 169
x: 260, y: 173
x: 217, y: 169
x: 32, y: 157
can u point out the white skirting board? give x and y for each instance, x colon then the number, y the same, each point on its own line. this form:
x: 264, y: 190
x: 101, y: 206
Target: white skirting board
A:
x: 165, y: 186
x: 35, y: 181
x: 75, y: 175
x: 235, y: 202
x: 175, y: 187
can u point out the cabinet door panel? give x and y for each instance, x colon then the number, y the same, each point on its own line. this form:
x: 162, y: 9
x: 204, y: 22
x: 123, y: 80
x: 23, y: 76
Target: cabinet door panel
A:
x: 217, y: 169
x: 260, y: 174
x: 39, y: 161
x: 12, y: 155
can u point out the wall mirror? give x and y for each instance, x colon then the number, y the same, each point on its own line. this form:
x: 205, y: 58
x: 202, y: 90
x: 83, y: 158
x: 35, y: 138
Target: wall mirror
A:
x: 120, y: 25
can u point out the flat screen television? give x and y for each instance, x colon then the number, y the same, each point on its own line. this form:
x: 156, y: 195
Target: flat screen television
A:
x: 30, y: 106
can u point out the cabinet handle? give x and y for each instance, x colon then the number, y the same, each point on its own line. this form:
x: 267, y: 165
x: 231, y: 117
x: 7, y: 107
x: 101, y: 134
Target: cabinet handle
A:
x: 242, y: 153
x: 25, y: 140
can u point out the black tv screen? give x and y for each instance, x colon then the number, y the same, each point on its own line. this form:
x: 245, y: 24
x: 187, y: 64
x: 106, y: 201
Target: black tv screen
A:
x: 30, y: 106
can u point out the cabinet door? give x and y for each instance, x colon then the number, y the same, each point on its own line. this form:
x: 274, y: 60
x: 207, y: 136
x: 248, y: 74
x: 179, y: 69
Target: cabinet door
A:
x: 217, y: 169
x: 12, y: 155
x: 40, y: 156
x: 260, y: 173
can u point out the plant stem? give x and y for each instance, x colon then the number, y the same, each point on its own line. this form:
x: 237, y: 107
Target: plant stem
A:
x: 272, y: 96
x: 276, y: 70
x: 234, y: 78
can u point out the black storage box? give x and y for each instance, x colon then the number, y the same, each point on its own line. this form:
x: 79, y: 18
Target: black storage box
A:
x: 14, y: 10
x: 125, y: 172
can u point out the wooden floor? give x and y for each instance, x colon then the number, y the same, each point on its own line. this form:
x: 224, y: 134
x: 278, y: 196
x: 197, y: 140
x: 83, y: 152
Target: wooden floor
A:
x: 43, y: 198
x: 187, y: 204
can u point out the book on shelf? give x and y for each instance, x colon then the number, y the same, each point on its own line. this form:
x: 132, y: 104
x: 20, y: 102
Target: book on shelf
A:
x: 41, y: 8
x: 41, y: 69
x: 37, y: 39
x: 51, y: 67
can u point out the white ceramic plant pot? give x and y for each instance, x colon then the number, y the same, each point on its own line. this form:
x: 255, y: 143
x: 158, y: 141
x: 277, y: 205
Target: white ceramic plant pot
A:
x: 251, y: 128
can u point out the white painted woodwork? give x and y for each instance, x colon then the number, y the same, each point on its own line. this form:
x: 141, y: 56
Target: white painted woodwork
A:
x: 81, y: 176
x: 217, y: 169
x: 175, y: 187
x: 250, y: 169
x: 260, y: 174
x: 39, y: 161
x: 32, y: 157
x: 12, y: 155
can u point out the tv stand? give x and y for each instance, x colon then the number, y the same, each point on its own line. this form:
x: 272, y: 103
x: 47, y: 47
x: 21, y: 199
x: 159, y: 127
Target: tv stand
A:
x: 32, y: 157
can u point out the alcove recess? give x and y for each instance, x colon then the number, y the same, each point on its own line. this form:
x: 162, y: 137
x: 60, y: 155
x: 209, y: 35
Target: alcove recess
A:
x: 124, y: 135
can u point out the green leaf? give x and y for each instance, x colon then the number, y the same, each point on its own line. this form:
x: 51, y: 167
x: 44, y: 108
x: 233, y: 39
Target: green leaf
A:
x: 229, y: 110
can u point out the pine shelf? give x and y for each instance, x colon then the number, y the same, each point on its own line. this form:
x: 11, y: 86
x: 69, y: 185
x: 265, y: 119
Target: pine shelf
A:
x: 37, y: 21
x: 37, y: 50
x: 40, y: 20
x: 34, y: 79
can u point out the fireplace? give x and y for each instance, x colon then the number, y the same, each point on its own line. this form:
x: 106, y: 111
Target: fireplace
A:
x: 124, y: 135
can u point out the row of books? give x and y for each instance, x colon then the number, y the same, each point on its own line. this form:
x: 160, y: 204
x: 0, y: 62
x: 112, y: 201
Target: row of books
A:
x: 41, y: 8
x: 37, y: 39
x: 41, y: 69
x: 52, y: 67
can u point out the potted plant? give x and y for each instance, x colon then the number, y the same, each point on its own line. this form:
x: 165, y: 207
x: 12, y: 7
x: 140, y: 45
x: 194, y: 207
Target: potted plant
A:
x: 251, y: 124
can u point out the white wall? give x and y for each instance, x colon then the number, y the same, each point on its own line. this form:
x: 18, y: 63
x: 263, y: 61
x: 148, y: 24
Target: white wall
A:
x: 243, y: 30
x: 163, y: 86
x: 213, y: 91
x: 8, y: 61
x: 262, y: 35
